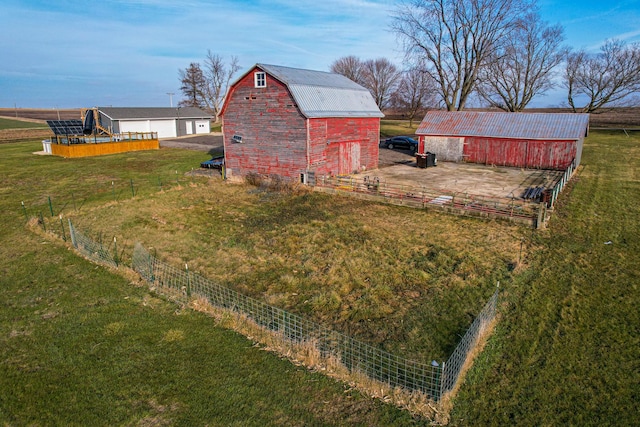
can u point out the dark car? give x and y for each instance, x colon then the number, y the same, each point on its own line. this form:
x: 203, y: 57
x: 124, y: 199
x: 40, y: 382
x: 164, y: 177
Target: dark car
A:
x: 214, y: 163
x: 401, y: 142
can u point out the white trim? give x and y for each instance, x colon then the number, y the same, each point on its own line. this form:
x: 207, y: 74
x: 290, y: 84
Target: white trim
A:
x: 260, y: 79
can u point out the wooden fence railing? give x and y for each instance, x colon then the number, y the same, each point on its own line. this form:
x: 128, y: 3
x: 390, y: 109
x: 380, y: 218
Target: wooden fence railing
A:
x: 514, y: 209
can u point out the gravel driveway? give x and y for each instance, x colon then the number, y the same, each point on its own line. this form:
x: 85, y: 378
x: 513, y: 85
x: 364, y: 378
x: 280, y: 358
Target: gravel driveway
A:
x: 210, y: 143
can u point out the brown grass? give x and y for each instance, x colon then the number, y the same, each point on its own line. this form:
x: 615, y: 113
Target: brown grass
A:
x: 376, y: 272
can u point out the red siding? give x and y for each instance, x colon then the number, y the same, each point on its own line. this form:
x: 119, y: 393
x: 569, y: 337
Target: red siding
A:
x: 519, y: 153
x: 339, y: 146
x: 278, y: 139
x: 273, y: 130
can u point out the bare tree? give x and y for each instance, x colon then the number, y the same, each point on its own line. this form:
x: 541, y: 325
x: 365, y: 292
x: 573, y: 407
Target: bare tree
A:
x: 455, y: 39
x: 523, y: 67
x: 192, y: 86
x: 349, y: 66
x: 608, y: 78
x: 217, y: 76
x: 380, y: 77
x: 416, y: 92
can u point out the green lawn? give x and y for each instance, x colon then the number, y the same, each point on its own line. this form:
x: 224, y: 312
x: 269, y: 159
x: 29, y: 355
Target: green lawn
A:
x: 567, y: 349
x: 389, y: 128
x: 19, y: 124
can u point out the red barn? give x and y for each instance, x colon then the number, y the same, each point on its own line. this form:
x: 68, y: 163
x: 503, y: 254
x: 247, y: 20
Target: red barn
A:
x: 298, y: 123
x: 526, y: 140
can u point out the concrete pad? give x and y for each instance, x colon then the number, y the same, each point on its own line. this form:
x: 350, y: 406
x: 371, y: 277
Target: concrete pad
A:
x: 467, y: 178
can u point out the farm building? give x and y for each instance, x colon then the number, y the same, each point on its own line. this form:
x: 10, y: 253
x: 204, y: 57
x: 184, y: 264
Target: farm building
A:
x: 526, y: 140
x: 166, y: 122
x: 298, y: 124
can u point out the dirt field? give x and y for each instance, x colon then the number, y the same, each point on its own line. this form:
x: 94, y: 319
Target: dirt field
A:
x: 40, y: 115
x: 628, y: 117
x: 620, y: 118
x: 7, y: 135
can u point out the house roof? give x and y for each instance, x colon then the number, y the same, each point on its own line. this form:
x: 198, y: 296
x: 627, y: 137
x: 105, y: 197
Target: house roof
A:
x: 544, y: 126
x: 320, y: 94
x: 144, y: 113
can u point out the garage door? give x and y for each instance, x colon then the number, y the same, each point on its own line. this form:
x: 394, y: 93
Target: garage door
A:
x: 165, y: 128
x: 202, y: 126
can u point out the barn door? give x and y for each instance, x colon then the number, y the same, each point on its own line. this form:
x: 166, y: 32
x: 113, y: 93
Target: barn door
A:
x: 349, y: 158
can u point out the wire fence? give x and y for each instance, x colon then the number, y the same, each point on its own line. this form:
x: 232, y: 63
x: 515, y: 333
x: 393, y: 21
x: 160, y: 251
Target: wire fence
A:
x: 456, y: 362
x: 568, y: 173
x: 359, y: 358
x: 371, y: 188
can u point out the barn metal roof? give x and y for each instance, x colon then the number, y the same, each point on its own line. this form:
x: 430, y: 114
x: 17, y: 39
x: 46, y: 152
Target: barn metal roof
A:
x: 320, y: 94
x: 545, y: 126
x: 148, y: 113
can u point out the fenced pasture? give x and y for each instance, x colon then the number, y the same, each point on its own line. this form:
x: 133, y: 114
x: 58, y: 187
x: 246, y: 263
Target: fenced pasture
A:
x: 302, y: 340
x: 367, y: 270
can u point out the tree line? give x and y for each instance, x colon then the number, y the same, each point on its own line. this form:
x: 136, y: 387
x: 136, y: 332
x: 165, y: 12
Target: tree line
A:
x: 496, y: 52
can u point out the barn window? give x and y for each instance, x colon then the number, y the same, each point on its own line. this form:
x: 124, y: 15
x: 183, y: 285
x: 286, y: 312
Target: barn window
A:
x: 260, y: 79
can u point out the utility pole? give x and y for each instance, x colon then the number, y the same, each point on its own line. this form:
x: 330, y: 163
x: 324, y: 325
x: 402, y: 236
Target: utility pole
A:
x: 171, y: 98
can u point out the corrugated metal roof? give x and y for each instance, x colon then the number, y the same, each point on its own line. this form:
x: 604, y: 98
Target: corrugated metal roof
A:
x: 147, y: 113
x: 318, y: 101
x: 321, y: 94
x: 548, y: 126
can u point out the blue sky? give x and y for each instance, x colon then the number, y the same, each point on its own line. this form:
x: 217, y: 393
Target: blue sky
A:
x: 71, y: 54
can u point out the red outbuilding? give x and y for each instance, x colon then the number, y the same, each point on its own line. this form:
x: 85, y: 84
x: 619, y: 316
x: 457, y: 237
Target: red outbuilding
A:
x: 526, y: 140
x: 298, y: 124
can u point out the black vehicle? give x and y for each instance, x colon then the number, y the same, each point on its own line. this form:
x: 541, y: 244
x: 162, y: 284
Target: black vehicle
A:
x: 401, y: 142
x: 214, y: 163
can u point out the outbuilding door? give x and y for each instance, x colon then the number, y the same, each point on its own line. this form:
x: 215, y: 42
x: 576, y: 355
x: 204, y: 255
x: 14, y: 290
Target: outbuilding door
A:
x: 202, y: 126
x: 164, y: 128
x: 349, y: 158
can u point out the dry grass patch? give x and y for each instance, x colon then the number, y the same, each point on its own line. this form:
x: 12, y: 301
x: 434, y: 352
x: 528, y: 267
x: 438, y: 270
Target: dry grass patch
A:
x: 406, y: 279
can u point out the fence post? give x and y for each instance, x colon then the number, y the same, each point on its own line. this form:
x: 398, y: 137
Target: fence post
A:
x: 133, y: 192
x: 64, y: 237
x: 24, y: 209
x: 441, y: 391
x: 186, y: 267
x: 50, y: 205
x: 44, y: 226
x: 152, y: 278
x: 540, y: 221
x: 72, y: 234
x: 115, y: 248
